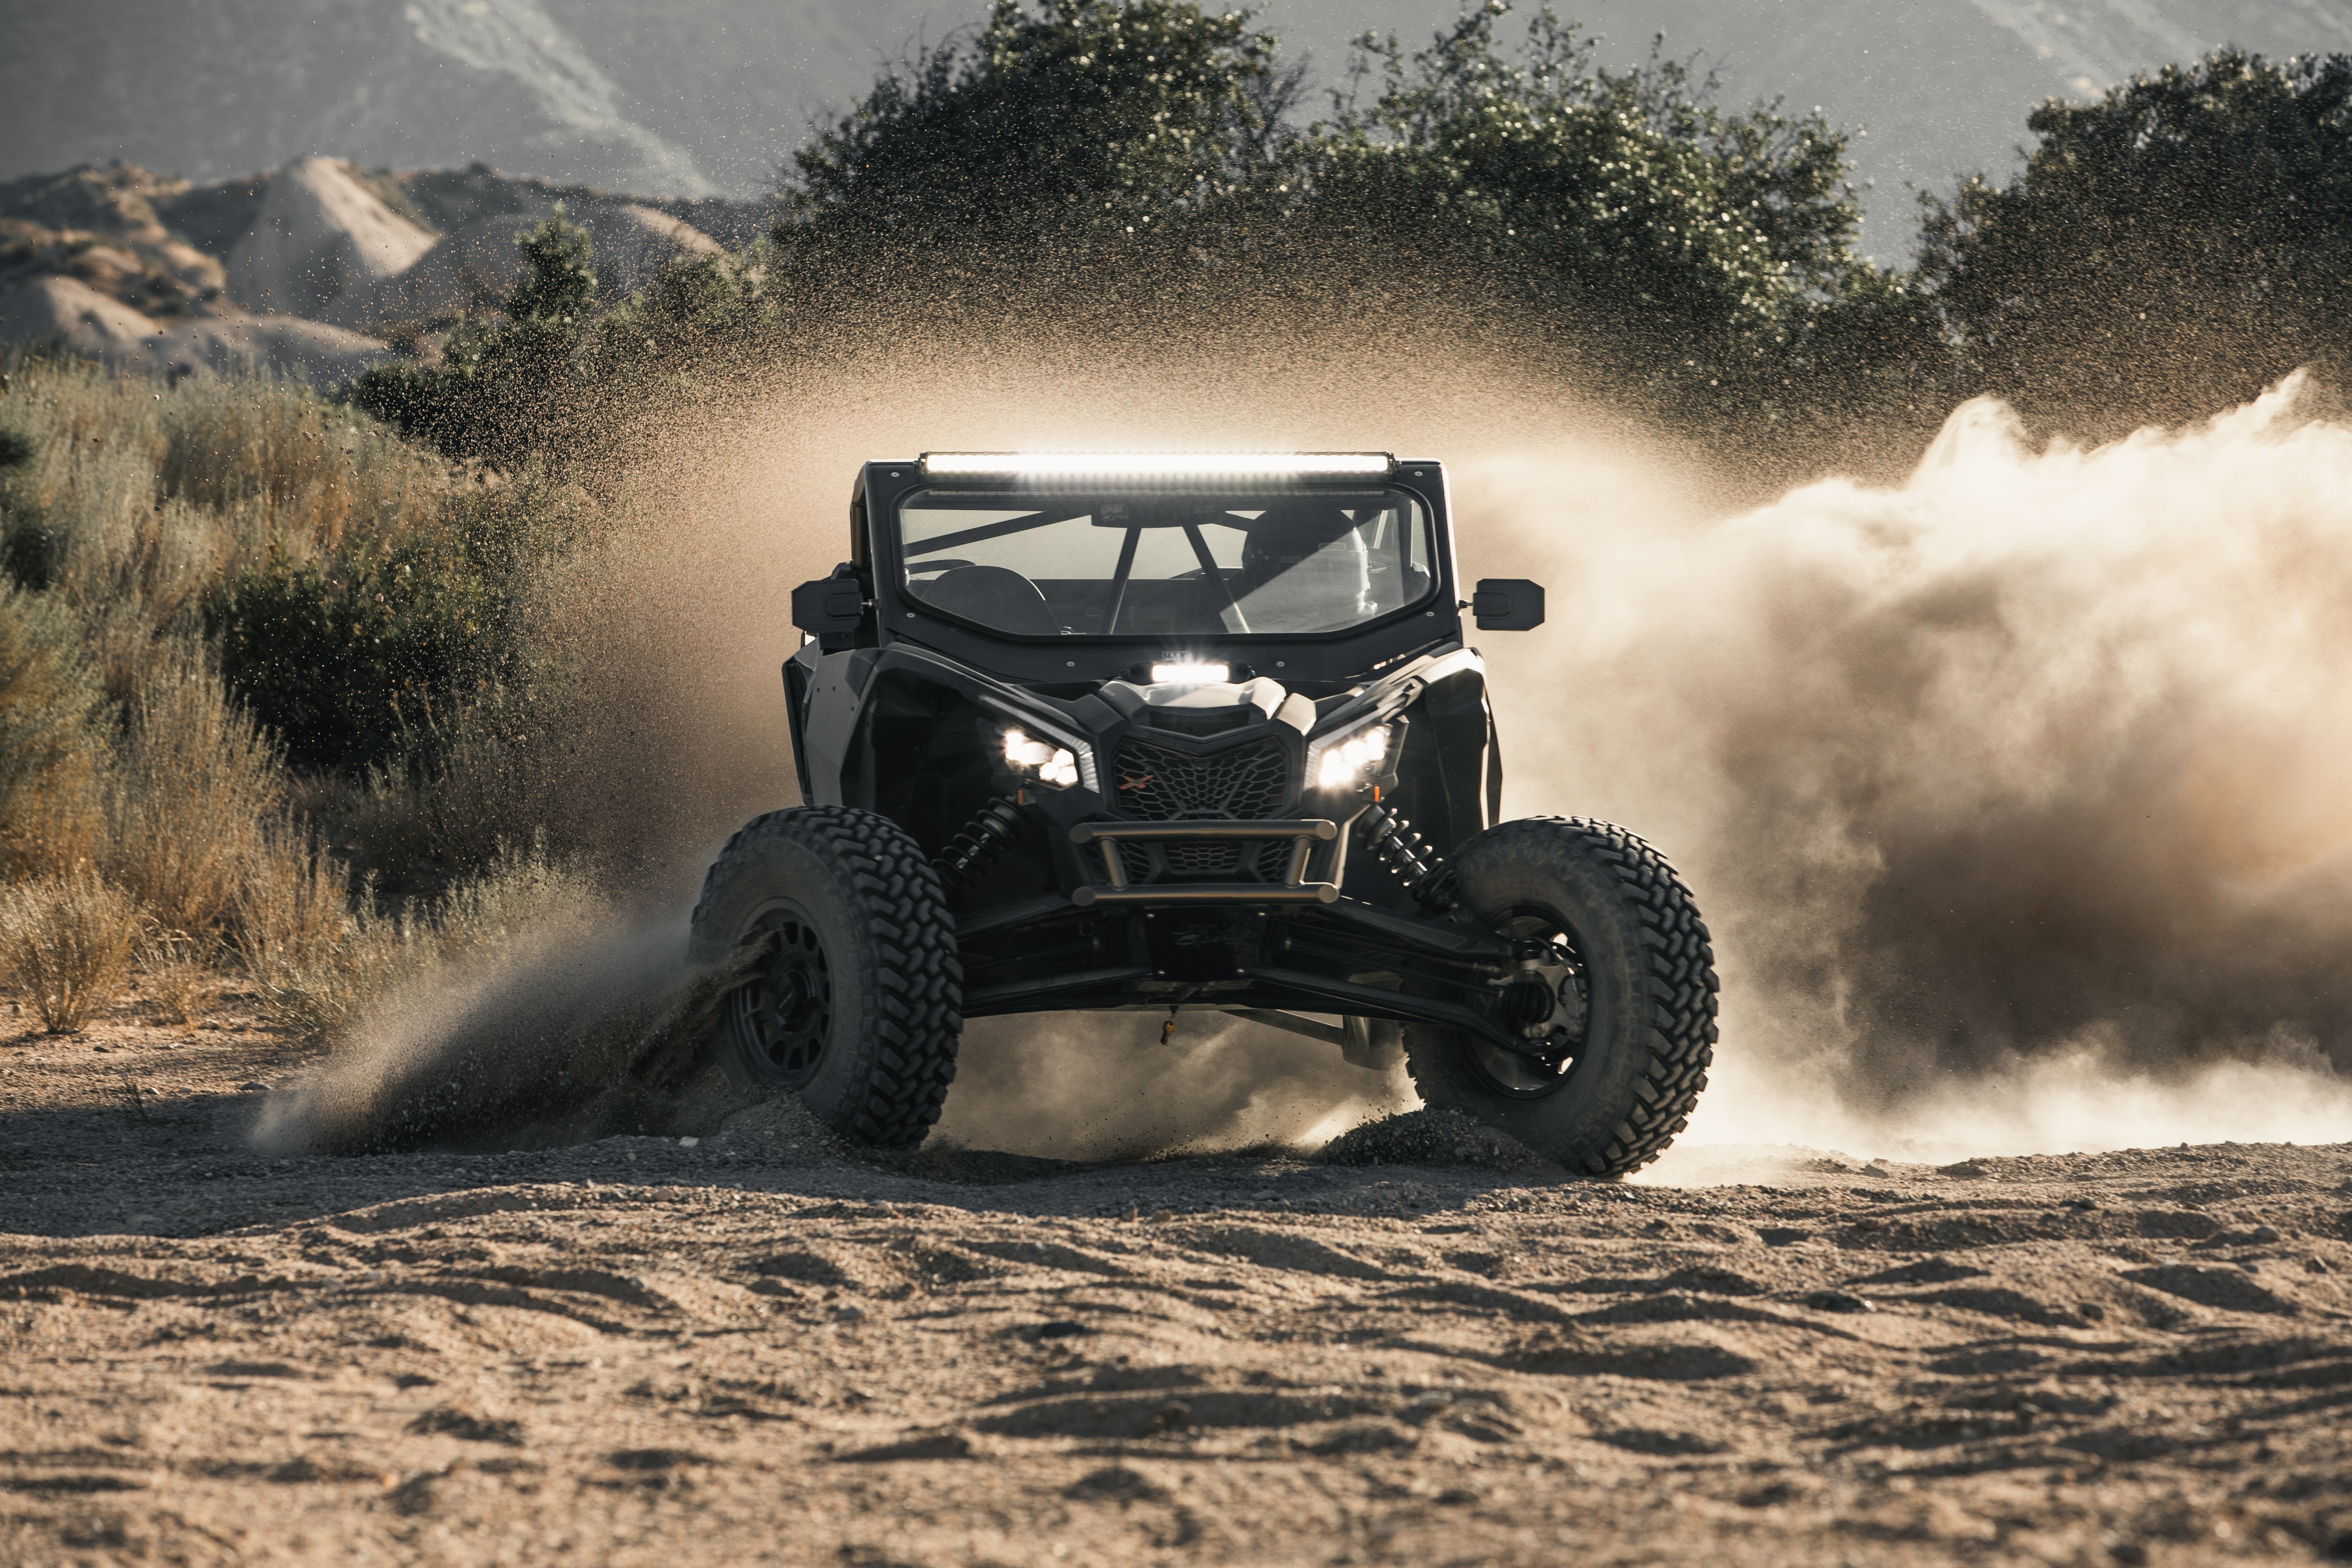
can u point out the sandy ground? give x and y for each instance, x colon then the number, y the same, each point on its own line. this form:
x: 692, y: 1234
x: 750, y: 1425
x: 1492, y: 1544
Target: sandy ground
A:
x: 748, y: 1349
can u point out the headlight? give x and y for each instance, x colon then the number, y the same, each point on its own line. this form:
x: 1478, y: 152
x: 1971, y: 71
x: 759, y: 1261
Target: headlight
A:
x: 1052, y: 765
x: 1339, y: 761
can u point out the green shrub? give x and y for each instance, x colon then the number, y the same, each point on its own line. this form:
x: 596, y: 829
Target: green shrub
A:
x: 463, y: 786
x: 2169, y: 250
x: 498, y: 383
x: 339, y: 659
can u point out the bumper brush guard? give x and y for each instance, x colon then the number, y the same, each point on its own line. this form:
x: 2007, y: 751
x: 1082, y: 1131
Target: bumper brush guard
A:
x: 1304, y: 833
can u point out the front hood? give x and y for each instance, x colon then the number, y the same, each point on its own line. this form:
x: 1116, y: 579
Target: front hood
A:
x: 1206, y: 707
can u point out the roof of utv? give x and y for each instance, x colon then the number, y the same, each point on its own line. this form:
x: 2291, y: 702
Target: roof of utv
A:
x: 1039, y: 649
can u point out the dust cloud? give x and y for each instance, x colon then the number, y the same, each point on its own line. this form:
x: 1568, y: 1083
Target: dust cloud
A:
x: 2018, y: 794
x: 583, y: 1024
x: 1103, y: 1085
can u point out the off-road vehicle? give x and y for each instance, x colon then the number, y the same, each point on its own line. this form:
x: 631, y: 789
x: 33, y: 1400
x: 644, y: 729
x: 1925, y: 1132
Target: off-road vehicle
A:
x: 1178, y: 732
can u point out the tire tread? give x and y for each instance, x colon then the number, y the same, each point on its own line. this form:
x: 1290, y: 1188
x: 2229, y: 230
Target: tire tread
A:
x: 1682, y: 986
x: 918, y: 1000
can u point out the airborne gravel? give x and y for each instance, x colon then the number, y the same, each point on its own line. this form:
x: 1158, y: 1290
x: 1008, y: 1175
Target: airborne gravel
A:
x: 753, y: 1347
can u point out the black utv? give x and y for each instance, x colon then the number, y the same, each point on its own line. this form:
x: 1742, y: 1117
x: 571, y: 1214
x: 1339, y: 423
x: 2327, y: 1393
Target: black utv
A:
x: 1177, y: 732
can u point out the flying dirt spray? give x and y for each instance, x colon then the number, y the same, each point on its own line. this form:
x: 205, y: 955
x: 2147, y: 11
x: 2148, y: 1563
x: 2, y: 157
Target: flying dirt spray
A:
x: 2019, y: 795
x: 2015, y: 792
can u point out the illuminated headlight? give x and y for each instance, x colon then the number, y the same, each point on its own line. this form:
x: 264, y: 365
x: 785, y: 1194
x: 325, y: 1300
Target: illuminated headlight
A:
x: 1053, y: 765
x: 1191, y: 674
x: 1346, y: 761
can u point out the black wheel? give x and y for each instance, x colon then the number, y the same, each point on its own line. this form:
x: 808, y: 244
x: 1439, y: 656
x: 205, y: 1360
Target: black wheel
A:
x: 856, y: 1003
x: 1614, y: 996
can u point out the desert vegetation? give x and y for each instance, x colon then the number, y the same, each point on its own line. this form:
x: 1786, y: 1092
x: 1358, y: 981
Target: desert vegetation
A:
x: 245, y: 633
x: 1130, y: 169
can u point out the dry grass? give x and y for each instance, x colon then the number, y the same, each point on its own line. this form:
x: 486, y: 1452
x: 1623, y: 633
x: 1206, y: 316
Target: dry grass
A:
x: 54, y: 757
x: 482, y: 792
x: 175, y: 970
x: 519, y: 890
x: 170, y: 486
x: 322, y: 474
x: 316, y: 959
x: 67, y: 939
x: 193, y: 787
x: 134, y: 795
x: 320, y: 963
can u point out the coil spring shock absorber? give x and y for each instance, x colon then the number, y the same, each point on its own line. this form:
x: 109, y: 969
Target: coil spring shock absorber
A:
x: 975, y: 849
x: 1401, y: 850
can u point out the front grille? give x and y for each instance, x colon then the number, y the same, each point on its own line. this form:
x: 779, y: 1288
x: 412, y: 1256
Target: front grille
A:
x: 1201, y: 721
x: 1201, y: 857
x: 1157, y: 784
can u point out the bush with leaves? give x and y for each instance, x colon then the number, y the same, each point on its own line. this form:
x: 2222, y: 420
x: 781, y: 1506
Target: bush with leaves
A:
x: 339, y: 658
x: 2168, y: 251
x: 497, y: 381
x: 1710, y: 253
x: 353, y: 656
x: 1082, y: 123
x: 1096, y: 152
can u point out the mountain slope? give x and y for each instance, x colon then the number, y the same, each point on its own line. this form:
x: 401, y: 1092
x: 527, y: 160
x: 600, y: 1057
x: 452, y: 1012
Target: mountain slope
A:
x: 711, y: 95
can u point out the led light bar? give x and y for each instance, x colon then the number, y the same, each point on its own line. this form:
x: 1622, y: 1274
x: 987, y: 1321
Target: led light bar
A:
x: 1298, y: 467
x: 1190, y: 674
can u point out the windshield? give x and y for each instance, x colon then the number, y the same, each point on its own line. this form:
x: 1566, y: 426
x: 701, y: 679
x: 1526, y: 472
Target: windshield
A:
x: 1128, y: 565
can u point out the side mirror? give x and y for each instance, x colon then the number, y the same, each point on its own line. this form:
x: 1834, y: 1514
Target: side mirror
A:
x: 831, y: 609
x: 1507, y: 604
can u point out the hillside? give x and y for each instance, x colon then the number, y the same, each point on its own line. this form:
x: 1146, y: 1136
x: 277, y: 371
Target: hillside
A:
x: 321, y: 270
x: 709, y: 98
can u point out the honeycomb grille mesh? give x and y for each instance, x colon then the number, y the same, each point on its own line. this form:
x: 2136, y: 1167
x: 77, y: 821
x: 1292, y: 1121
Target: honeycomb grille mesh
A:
x: 1157, y: 785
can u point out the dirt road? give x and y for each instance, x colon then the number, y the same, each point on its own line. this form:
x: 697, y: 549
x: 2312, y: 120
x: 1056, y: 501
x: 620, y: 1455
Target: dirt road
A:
x: 748, y: 1349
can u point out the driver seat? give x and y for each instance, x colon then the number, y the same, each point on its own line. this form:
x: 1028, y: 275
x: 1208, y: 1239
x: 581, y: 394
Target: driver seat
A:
x: 997, y: 597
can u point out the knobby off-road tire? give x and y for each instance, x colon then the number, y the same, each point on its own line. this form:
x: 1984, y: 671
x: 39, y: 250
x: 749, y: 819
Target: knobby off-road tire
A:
x: 859, y: 1004
x: 1647, y: 974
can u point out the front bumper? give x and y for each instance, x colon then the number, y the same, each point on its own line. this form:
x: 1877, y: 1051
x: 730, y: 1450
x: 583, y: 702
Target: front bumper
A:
x: 1304, y: 833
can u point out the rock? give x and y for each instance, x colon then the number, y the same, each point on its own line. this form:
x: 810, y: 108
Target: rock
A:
x: 321, y: 237
x: 1836, y: 1302
x: 309, y: 351
x: 71, y: 311
x: 473, y: 267
x: 1433, y: 1137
